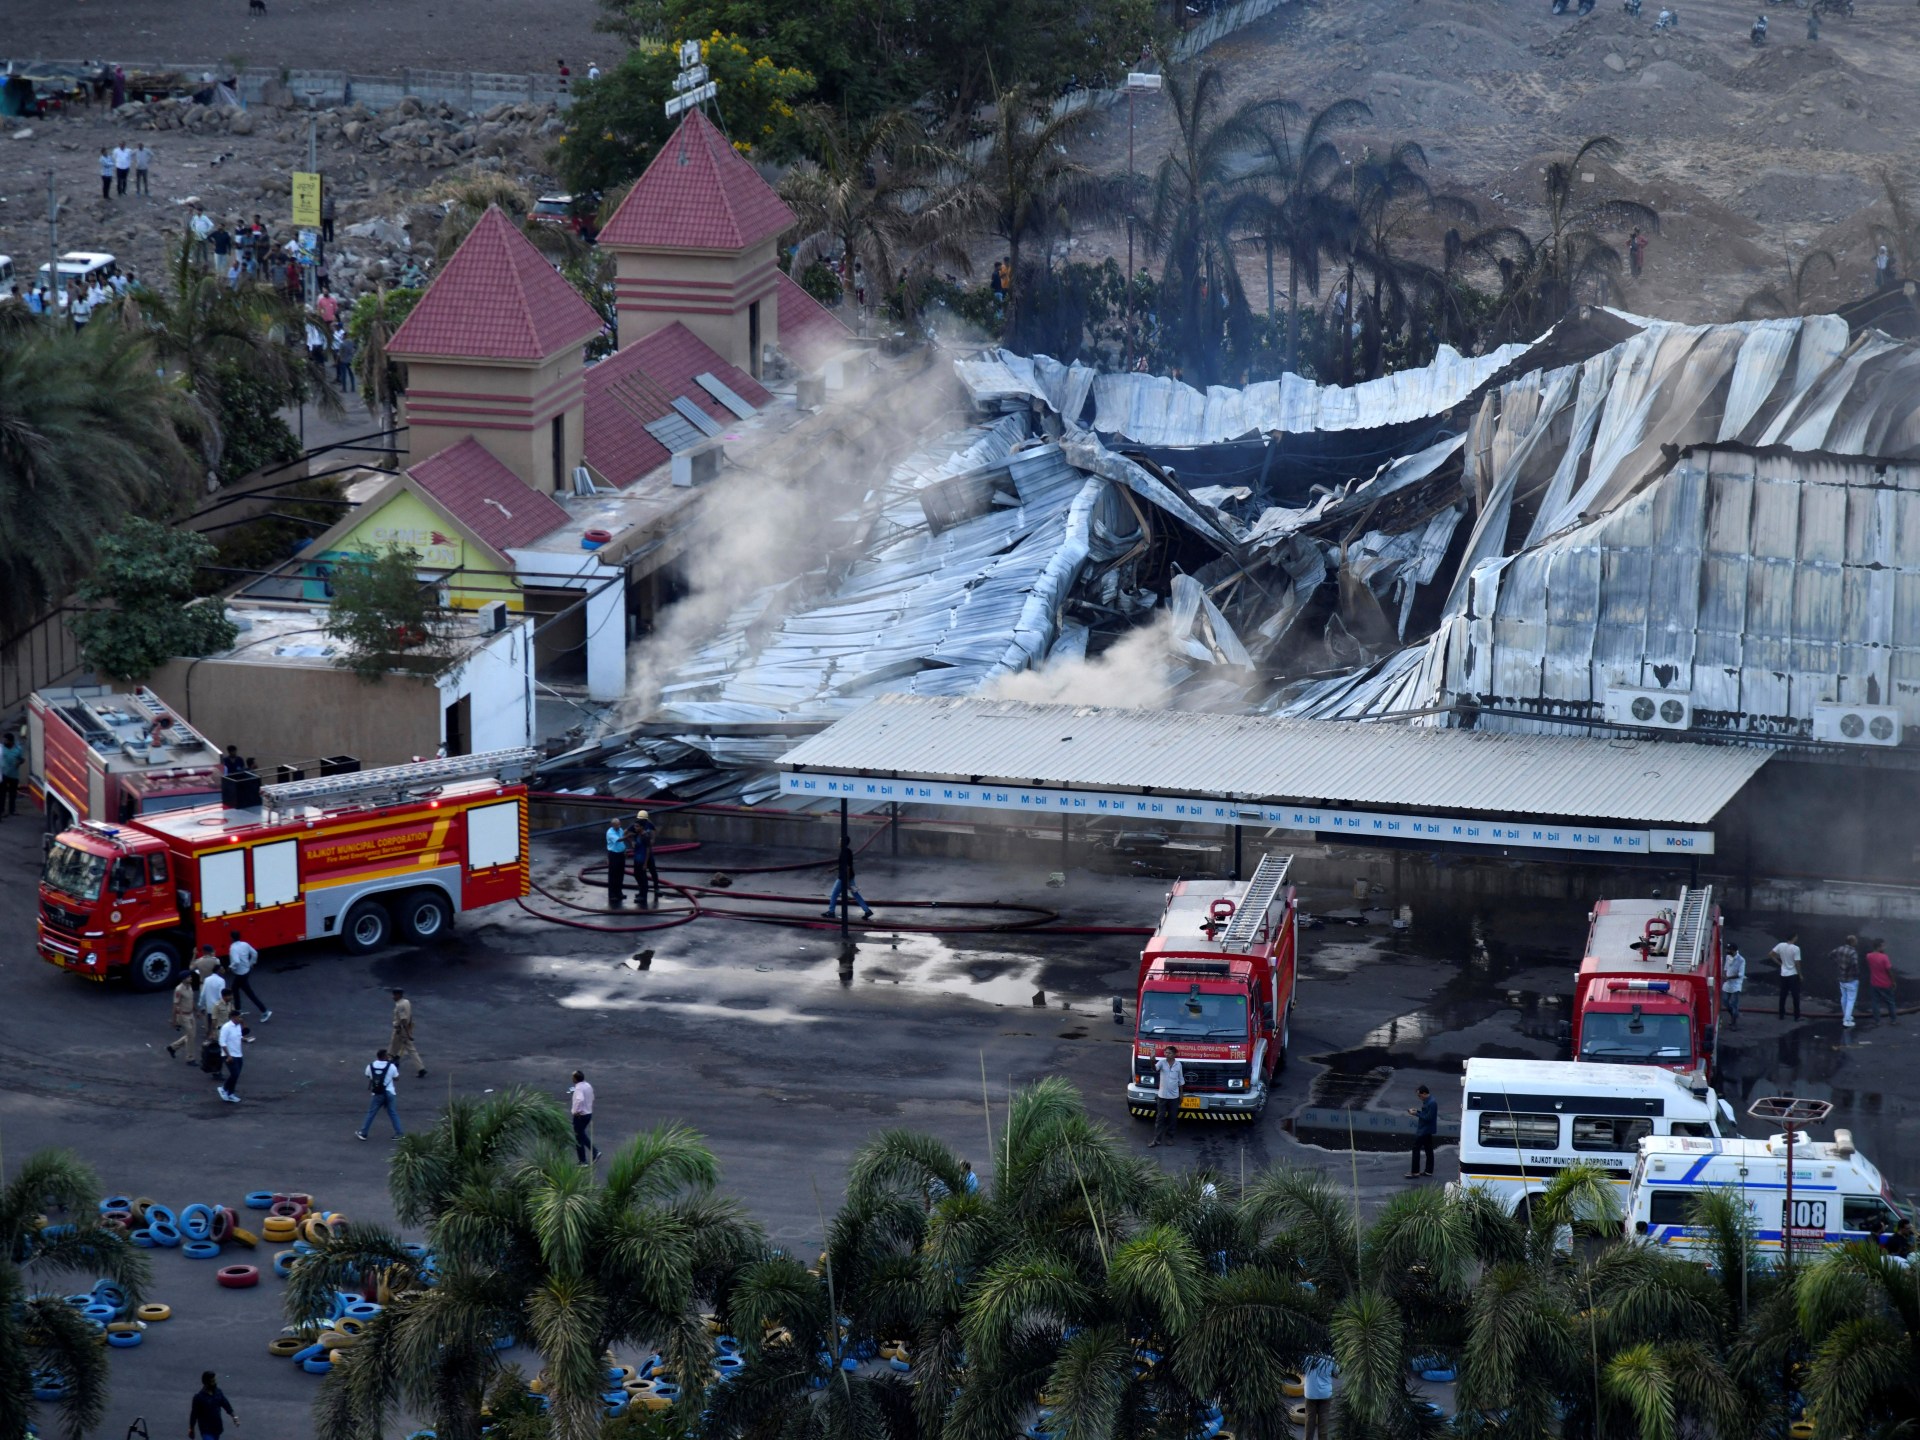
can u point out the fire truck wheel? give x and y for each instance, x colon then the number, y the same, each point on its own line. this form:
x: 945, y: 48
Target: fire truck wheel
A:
x: 366, y: 929
x: 424, y: 916
x: 156, y: 963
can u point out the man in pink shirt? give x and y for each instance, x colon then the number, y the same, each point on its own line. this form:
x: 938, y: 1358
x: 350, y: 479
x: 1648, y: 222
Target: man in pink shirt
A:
x: 582, y: 1107
x: 1880, y: 981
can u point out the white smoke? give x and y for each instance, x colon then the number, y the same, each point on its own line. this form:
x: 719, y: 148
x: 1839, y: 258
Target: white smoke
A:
x: 1131, y: 674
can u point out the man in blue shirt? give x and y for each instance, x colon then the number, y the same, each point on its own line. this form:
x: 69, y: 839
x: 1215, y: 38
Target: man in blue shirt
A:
x: 616, y: 864
x: 1426, y: 1124
x: 204, y: 1420
x: 11, y: 757
x: 1319, y: 1395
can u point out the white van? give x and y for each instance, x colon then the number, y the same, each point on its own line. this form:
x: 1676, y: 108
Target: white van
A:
x: 1837, y: 1193
x: 6, y: 275
x: 86, y: 266
x: 1523, y: 1120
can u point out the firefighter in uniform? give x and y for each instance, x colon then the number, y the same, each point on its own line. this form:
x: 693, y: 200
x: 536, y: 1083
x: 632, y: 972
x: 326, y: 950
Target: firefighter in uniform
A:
x: 401, y: 1044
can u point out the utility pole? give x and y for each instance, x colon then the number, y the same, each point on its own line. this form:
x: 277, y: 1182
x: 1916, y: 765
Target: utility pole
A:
x: 1138, y: 83
x: 53, y: 247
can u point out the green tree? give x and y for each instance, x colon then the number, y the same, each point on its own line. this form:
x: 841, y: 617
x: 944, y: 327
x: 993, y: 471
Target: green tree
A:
x: 252, y: 434
x: 388, y: 617
x: 1574, y: 257
x: 618, y: 122
x: 88, y: 435
x: 526, y: 1242
x: 145, y: 575
x: 40, y: 1334
x: 370, y: 325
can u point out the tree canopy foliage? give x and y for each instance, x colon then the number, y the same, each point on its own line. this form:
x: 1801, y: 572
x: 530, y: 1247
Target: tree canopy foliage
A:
x: 143, y: 580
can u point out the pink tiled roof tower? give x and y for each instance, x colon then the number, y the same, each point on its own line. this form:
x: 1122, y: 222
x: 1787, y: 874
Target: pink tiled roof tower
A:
x: 497, y: 299
x: 698, y: 194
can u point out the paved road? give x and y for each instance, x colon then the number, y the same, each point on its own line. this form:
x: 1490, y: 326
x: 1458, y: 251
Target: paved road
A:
x: 755, y: 1036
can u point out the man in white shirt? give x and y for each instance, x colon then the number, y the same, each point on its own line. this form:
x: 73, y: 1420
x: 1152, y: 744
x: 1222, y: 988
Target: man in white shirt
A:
x: 380, y: 1072
x: 202, y: 227
x: 213, y: 999
x: 142, y: 159
x: 581, y: 1094
x: 1787, y: 952
x: 232, y: 1039
x: 122, y: 163
x: 1733, y: 980
x: 1166, y: 1095
x: 241, y: 958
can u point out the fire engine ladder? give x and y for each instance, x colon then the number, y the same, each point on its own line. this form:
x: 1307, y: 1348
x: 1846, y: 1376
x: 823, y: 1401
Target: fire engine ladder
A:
x: 1692, y: 930
x: 396, y: 782
x: 1249, y: 921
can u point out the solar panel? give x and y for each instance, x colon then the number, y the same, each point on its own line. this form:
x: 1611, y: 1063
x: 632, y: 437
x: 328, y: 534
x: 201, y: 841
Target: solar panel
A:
x: 715, y: 387
x: 675, y: 433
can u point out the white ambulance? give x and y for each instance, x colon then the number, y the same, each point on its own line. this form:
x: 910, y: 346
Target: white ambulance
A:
x: 1837, y: 1192
x: 1522, y: 1121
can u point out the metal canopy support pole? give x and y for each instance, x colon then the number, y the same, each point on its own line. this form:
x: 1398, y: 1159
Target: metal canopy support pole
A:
x: 846, y: 891
x: 1236, y: 852
x: 893, y: 828
x: 1064, y: 822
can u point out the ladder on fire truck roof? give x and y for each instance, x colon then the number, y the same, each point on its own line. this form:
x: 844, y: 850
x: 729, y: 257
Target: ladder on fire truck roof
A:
x: 397, y: 782
x: 1692, y: 929
x: 1250, y: 915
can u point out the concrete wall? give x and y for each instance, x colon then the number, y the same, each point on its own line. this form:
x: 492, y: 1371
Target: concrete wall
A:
x: 507, y: 408
x: 498, y: 680
x: 294, y: 714
x: 708, y: 293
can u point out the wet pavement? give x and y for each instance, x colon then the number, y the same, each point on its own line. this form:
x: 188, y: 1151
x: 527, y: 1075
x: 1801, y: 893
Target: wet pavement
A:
x: 787, y: 1053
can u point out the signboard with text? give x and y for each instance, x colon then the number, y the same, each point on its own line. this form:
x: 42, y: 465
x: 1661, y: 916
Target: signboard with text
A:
x: 306, y: 199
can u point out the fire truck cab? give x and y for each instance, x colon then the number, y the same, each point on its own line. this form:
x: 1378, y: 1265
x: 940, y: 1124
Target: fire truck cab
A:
x: 1217, y: 981
x: 355, y: 856
x: 1649, y: 985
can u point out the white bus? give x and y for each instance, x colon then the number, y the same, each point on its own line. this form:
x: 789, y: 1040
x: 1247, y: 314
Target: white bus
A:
x: 1837, y: 1193
x: 1521, y: 1121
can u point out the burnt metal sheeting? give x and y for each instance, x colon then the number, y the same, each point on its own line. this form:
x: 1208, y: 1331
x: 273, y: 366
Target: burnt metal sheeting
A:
x: 1263, y: 758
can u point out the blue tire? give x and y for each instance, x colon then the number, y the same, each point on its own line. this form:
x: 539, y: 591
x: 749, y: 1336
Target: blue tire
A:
x: 116, y: 1202
x: 903, y: 1366
x: 312, y: 1352
x: 259, y: 1200
x: 162, y: 1215
x: 143, y: 1238
x: 319, y: 1365
x: 165, y: 1235
x: 49, y: 1392
x: 200, y: 1250
x: 196, y: 1222
x: 125, y: 1339
x: 102, y: 1313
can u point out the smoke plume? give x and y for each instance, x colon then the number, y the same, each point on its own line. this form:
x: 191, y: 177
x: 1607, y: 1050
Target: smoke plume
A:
x: 1131, y: 674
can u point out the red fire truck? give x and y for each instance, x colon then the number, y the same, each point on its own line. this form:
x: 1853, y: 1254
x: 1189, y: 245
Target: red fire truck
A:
x: 94, y: 754
x: 355, y: 856
x: 1216, y: 981
x: 1649, y: 987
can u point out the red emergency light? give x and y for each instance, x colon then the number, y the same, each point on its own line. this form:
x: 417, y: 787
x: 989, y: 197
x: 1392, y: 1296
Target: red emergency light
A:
x: 1663, y: 986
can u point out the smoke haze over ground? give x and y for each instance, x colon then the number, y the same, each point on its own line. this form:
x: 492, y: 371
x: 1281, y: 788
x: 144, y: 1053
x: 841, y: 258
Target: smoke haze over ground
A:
x: 1130, y: 674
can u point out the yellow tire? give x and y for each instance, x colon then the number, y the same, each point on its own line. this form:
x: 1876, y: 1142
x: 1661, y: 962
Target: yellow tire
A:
x: 538, y: 1385
x: 337, y: 1340
x: 351, y: 1325
x: 1297, y: 1413
x: 244, y: 1237
x: 1801, y: 1430
x: 285, y: 1346
x: 154, y: 1311
x: 335, y: 1356
x: 1293, y: 1386
x: 280, y: 1227
x: 653, y: 1402
x: 638, y: 1387
x: 124, y: 1327
x: 316, y: 1229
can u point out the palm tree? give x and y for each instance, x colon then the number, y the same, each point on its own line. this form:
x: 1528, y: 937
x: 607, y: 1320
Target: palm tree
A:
x: 1213, y: 158
x: 1900, y: 232
x: 528, y: 1243
x: 1573, y: 255
x: 1858, y: 1314
x: 864, y: 194
x: 371, y: 324
x: 88, y: 434
x: 41, y: 1333
x: 1791, y: 298
x: 1449, y: 292
x: 202, y: 331
x: 1025, y: 185
x: 1292, y: 206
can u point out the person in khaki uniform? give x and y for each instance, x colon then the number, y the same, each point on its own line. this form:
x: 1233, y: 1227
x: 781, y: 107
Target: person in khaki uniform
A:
x: 401, y: 1045
x: 183, y: 1019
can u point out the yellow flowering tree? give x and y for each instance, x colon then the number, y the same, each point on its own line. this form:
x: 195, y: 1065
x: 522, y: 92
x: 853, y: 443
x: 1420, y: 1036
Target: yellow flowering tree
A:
x: 618, y: 121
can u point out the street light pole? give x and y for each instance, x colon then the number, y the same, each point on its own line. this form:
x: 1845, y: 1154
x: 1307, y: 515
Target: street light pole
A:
x: 52, y: 301
x: 1138, y: 83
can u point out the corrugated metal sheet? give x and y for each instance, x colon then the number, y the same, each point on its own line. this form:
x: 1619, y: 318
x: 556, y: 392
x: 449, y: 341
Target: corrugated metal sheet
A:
x: 1158, y: 410
x: 1264, y: 758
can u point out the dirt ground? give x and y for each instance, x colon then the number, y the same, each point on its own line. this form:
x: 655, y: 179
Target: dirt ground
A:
x: 1751, y: 155
x: 374, y: 37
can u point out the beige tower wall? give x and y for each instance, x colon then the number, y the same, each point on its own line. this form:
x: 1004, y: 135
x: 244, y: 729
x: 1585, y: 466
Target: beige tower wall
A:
x: 509, y: 408
x: 714, y: 294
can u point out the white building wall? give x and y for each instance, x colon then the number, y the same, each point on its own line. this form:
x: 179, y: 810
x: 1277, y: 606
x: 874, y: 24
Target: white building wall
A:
x: 498, y: 680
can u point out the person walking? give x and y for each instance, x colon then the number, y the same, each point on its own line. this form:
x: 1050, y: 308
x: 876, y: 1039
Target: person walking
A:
x: 1733, y: 980
x: 1318, y: 1376
x: 580, y: 1103
x: 342, y: 359
x: 616, y: 863
x: 1426, y: 1126
x: 1880, y: 982
x: 213, y: 996
x: 12, y: 757
x: 183, y: 1019
x: 843, y: 884
x: 204, y: 964
x: 1882, y: 268
x: 380, y: 1073
x: 122, y: 166
x: 241, y: 958
x: 1846, y: 968
x: 1636, y: 250
x: 400, y: 1043
x: 203, y: 1420
x: 106, y: 173
x: 1787, y: 953
x: 233, y: 1036
x: 326, y: 214
x: 1169, y: 1077
x: 646, y: 875
x: 142, y: 162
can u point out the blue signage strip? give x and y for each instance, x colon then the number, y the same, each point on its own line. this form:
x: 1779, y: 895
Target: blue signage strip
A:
x: 1438, y: 830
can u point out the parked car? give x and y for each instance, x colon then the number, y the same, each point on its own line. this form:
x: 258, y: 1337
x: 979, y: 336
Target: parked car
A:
x: 86, y: 266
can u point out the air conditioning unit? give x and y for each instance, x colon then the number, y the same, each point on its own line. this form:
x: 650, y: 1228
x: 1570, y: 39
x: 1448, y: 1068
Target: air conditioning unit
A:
x: 1653, y: 709
x: 1857, y: 724
x: 699, y: 464
x: 493, y: 617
